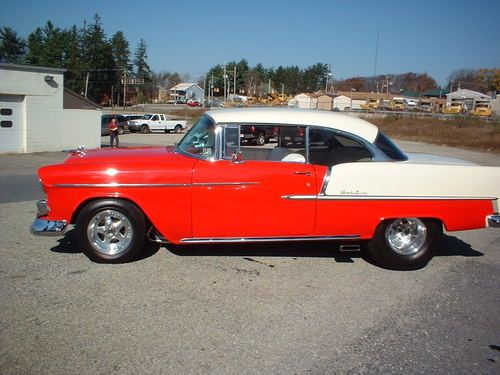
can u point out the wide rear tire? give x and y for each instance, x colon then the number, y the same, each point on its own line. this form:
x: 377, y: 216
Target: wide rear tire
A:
x: 404, y: 243
x: 110, y: 230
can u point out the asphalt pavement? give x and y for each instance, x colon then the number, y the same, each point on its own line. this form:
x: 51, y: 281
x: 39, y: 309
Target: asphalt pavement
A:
x: 301, y: 308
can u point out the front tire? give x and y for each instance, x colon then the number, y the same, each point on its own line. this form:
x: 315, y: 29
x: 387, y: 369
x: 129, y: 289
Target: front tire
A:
x: 145, y: 129
x: 110, y: 230
x: 404, y: 243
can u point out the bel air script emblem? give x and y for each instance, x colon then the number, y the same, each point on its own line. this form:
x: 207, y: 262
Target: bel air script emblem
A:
x: 353, y: 192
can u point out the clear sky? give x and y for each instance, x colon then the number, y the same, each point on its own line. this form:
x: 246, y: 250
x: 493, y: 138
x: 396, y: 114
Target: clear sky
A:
x: 423, y: 36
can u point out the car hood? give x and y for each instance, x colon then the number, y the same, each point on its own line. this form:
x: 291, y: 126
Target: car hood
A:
x: 422, y: 158
x: 135, y: 165
x: 130, y: 155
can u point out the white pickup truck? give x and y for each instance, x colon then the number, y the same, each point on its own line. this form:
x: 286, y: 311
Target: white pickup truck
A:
x: 156, y: 122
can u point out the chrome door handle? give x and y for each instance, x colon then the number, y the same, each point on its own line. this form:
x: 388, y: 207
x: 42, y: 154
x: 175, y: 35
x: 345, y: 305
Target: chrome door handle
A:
x: 302, y: 173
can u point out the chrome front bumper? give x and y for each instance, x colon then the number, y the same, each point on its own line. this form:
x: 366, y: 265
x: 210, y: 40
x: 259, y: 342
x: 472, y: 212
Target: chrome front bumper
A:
x: 493, y: 221
x: 43, y: 227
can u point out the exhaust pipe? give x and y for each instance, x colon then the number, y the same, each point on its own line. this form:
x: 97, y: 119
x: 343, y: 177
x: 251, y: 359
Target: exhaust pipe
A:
x: 350, y: 248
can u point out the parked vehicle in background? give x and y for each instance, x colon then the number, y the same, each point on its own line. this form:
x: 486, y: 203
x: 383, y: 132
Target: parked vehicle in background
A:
x: 132, y: 117
x: 426, y: 105
x: 258, y: 135
x: 371, y: 105
x: 156, y: 122
x: 193, y: 103
x: 454, y: 108
x: 397, y: 104
x: 120, y: 120
x: 482, y: 109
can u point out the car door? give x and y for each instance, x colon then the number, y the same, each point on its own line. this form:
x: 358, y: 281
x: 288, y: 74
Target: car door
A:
x: 154, y: 123
x: 252, y: 199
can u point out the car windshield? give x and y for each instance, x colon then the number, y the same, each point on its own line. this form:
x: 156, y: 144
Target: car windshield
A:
x: 200, y: 140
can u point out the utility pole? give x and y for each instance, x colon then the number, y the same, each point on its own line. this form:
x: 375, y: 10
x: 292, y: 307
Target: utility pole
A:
x: 234, y: 85
x: 124, y: 89
x: 86, y: 83
x: 225, y: 78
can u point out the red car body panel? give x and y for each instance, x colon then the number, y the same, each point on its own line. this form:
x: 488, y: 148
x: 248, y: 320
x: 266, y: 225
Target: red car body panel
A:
x: 185, y: 197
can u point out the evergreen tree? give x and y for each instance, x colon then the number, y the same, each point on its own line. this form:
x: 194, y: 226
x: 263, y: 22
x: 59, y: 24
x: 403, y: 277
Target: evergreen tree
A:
x: 98, y: 61
x: 53, y: 46
x: 35, y: 47
x: 143, y: 70
x: 75, y: 75
x: 12, y: 47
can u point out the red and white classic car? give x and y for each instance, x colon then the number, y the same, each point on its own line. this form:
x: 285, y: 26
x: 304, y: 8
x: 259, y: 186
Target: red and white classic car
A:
x: 326, y: 176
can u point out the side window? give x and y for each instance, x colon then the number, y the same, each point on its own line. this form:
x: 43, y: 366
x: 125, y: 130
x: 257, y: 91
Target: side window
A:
x: 231, y: 140
x: 155, y: 118
x: 327, y: 147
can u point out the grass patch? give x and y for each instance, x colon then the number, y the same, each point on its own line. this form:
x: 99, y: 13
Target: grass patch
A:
x: 460, y: 132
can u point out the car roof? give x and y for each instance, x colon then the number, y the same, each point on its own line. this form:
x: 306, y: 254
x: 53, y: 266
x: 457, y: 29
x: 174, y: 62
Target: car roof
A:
x: 293, y: 116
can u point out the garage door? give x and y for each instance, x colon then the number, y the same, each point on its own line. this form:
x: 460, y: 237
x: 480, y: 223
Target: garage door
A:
x: 11, y: 123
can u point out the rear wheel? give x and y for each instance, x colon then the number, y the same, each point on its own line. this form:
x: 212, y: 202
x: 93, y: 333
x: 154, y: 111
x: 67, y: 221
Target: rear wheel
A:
x: 404, y: 243
x: 110, y: 230
x: 121, y: 130
x: 178, y: 129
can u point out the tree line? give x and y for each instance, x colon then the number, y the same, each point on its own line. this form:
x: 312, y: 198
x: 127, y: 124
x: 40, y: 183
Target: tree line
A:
x: 96, y: 64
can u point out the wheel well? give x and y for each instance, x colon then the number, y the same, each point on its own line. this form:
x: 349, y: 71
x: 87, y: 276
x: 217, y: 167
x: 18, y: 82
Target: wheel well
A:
x: 88, y: 201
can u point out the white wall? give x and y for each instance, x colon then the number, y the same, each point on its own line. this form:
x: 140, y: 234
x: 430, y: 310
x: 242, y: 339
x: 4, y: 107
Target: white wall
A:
x: 80, y: 128
x: 46, y: 125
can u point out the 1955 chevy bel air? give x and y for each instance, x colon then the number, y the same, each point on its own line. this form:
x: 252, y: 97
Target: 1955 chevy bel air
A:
x: 325, y: 176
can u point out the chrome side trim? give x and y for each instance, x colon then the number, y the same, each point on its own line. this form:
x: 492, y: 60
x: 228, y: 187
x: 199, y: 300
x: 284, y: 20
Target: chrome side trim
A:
x: 378, y: 197
x: 493, y: 221
x: 114, y: 184
x: 224, y: 183
x: 267, y: 239
x: 41, y: 227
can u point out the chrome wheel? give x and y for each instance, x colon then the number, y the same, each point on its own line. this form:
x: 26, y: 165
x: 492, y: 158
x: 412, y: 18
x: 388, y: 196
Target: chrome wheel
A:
x: 110, y: 232
x: 406, y: 236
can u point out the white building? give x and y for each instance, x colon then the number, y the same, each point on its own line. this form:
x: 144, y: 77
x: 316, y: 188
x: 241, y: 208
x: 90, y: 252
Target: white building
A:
x: 346, y: 103
x: 306, y: 101
x: 37, y: 114
x: 187, y: 91
x: 467, y: 97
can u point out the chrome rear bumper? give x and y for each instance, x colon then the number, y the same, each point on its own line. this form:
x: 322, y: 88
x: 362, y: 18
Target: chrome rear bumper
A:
x: 493, y: 221
x: 43, y: 227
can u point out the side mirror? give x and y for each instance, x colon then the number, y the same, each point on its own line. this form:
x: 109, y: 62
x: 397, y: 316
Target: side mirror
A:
x: 237, y: 157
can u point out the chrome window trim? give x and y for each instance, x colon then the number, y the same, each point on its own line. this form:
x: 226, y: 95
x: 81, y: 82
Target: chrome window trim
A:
x: 326, y: 180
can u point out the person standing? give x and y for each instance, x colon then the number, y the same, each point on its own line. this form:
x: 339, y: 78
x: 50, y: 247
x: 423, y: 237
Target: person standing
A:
x: 113, y: 133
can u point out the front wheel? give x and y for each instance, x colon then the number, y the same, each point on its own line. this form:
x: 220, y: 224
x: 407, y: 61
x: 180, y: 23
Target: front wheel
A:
x: 145, y: 129
x: 404, y: 243
x: 110, y: 230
